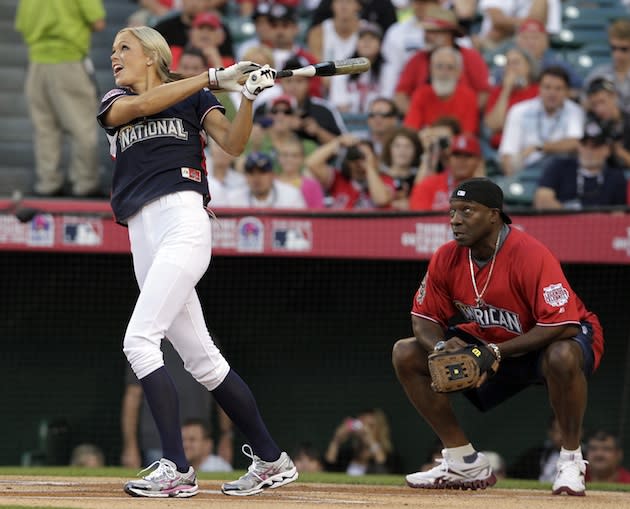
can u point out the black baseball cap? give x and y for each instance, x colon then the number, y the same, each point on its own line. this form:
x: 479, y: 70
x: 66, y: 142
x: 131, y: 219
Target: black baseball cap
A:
x: 599, y: 84
x: 484, y: 191
x: 593, y: 130
x: 258, y: 160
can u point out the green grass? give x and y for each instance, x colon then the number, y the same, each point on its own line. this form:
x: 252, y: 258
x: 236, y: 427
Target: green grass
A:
x: 323, y: 477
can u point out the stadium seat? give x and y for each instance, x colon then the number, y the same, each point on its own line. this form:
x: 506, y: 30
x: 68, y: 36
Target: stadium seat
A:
x: 519, y: 189
x: 578, y: 32
x: 603, y: 13
x: 589, y: 56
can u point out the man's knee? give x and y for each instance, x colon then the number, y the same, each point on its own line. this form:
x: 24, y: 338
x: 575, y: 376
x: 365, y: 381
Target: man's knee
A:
x: 562, y: 358
x: 144, y: 357
x: 405, y: 353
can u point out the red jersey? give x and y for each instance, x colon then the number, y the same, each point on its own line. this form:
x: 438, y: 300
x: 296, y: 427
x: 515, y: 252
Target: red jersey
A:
x: 348, y: 194
x: 426, y: 107
x: 432, y: 192
x: 623, y: 476
x: 528, y: 288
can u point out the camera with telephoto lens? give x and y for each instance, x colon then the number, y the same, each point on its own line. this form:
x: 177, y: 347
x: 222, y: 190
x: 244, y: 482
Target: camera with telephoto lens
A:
x: 354, y: 424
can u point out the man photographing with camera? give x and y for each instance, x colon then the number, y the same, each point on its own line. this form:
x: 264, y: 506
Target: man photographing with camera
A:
x: 602, y: 104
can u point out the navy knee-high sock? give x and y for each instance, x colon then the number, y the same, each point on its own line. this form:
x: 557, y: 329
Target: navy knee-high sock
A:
x: 161, y: 395
x: 239, y: 404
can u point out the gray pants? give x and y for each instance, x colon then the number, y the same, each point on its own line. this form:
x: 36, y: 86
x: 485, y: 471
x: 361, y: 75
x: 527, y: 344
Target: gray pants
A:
x: 62, y: 100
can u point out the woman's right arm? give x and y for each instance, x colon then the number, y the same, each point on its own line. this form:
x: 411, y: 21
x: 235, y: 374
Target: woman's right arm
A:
x: 157, y: 99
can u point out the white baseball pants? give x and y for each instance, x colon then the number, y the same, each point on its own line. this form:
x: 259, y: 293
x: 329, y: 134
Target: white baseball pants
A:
x: 171, y: 241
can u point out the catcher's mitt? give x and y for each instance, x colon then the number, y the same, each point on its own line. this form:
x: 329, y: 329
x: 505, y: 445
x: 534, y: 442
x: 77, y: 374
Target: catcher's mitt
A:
x: 457, y: 370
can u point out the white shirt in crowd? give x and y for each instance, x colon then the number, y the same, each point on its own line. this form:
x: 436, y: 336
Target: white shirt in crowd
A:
x: 519, y: 9
x: 528, y: 124
x: 282, y: 196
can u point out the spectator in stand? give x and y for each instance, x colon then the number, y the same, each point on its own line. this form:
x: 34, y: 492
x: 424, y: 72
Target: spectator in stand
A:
x: 440, y: 30
x: 520, y: 83
x: 401, y: 157
x: 532, y: 37
x: 584, y: 181
x: 465, y: 162
x: 602, y: 103
x: 618, y: 70
x: 444, y: 95
x: 207, y: 34
x: 290, y: 157
x: 436, y: 143
x: 548, y: 125
x: 501, y: 19
x: 285, y: 124
x: 359, y: 183
x: 87, y: 456
x: 176, y: 27
x: 362, y: 445
x: 382, y: 117
x: 605, y: 456
x: 354, y: 92
x: 263, y: 189
x: 222, y: 177
x: 284, y: 33
x: 336, y: 37
x: 400, y: 43
x: 150, y: 11
x: 540, y: 462
x: 263, y: 35
x: 60, y: 91
x: 382, y: 12
x: 199, y: 447
x: 307, y: 458
x: 320, y: 121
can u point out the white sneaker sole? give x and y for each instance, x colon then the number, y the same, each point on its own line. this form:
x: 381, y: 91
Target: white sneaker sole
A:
x: 176, y: 493
x: 477, y: 484
x: 568, y: 491
x: 271, y: 483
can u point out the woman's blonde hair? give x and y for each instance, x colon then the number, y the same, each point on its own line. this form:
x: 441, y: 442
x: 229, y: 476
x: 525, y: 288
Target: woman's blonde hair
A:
x: 155, y: 46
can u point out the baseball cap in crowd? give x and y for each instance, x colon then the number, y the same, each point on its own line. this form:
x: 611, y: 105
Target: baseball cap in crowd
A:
x: 206, y: 19
x: 594, y: 131
x: 440, y: 19
x: 465, y: 144
x: 532, y: 25
x: 484, y: 191
x: 367, y: 27
x: 295, y: 62
x: 599, y: 84
x: 287, y: 99
x: 282, y: 11
x: 258, y: 160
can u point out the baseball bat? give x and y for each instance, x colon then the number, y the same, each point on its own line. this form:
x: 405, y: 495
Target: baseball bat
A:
x: 329, y: 68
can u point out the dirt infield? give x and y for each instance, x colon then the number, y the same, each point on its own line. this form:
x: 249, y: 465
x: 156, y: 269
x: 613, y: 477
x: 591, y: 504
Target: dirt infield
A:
x: 106, y: 493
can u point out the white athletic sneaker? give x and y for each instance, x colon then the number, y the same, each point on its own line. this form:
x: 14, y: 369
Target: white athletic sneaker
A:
x: 262, y: 475
x: 455, y: 475
x: 570, y: 476
x: 164, y: 481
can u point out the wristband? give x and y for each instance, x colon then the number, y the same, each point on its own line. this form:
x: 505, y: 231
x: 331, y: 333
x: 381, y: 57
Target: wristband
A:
x: 495, y: 350
x: 213, y: 81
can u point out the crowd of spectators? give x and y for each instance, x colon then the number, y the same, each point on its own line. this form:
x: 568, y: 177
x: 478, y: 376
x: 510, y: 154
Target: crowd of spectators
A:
x: 368, y: 140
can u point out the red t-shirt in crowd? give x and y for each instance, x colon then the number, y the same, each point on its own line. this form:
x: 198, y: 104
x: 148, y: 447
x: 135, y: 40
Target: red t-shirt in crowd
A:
x: 517, y: 95
x: 623, y: 476
x: 416, y: 72
x: 426, y: 107
x: 348, y: 194
x: 432, y: 192
x: 527, y: 289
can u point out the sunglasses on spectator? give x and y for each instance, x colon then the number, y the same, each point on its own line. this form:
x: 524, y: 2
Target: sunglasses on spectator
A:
x: 623, y: 49
x: 381, y: 114
x: 276, y: 111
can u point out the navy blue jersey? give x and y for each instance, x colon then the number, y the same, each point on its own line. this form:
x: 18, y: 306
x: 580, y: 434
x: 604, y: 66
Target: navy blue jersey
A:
x: 576, y: 190
x: 159, y: 154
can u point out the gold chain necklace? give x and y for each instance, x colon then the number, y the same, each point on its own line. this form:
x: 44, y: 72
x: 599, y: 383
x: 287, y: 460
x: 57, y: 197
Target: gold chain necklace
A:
x: 478, y: 295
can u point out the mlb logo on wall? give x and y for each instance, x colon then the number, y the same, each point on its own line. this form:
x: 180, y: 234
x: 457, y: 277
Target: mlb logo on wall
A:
x: 41, y: 231
x: 251, y: 235
x: 292, y: 235
x: 82, y: 232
